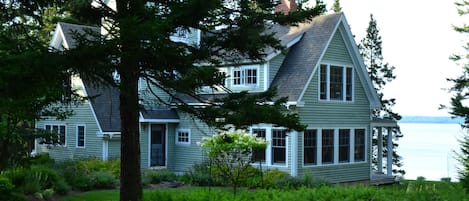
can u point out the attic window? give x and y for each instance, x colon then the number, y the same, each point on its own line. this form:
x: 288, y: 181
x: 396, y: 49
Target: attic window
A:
x: 336, y: 83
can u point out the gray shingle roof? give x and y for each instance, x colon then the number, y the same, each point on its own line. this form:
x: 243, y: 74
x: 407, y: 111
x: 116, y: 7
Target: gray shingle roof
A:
x: 68, y: 30
x: 166, y: 114
x: 302, y: 57
x: 105, y: 102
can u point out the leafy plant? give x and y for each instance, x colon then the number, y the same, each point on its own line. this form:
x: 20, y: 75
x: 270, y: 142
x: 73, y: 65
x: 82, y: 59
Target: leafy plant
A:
x: 158, y: 176
x: 231, y: 153
x: 200, y: 175
x: 103, y: 180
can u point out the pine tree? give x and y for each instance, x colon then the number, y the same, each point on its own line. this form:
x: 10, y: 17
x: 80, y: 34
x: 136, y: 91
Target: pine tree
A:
x: 381, y: 73
x: 336, y: 6
x: 138, y: 45
x: 459, y: 98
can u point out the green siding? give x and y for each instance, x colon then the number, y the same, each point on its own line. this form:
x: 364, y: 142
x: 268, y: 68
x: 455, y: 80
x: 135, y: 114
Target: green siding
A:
x: 93, y: 144
x: 274, y: 65
x: 337, y: 51
x: 335, y: 114
x: 114, y: 149
x: 147, y: 95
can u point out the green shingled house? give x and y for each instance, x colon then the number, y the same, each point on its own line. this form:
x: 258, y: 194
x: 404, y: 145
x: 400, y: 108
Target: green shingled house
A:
x: 322, y: 74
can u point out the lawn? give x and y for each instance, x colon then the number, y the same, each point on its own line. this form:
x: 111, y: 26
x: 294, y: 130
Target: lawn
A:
x: 409, y: 190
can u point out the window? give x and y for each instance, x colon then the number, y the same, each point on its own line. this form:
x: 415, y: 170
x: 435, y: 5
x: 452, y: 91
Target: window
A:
x: 279, y: 146
x: 259, y: 154
x: 80, y: 136
x: 344, y: 145
x: 327, y: 146
x: 183, y: 136
x: 359, y: 150
x: 245, y: 76
x: 336, y: 83
x: 310, y: 146
x: 56, y: 129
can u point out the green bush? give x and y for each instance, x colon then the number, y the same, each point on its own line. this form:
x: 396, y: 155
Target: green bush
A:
x: 16, y: 176
x: 158, y: 176
x: 44, y: 175
x: 98, y: 165
x: 5, y: 185
x: 42, y: 159
x: 62, y: 187
x: 201, y: 174
x: 271, y: 177
x: 103, y: 180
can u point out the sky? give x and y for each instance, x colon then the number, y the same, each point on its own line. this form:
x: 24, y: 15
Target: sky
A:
x: 418, y: 39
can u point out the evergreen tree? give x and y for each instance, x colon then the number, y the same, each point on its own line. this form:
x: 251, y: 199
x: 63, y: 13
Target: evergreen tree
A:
x: 381, y: 73
x: 336, y: 6
x: 30, y: 80
x: 138, y: 45
x: 459, y: 98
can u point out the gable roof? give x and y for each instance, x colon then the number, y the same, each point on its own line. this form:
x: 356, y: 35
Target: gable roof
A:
x: 105, y: 103
x: 304, y: 57
x: 64, y: 32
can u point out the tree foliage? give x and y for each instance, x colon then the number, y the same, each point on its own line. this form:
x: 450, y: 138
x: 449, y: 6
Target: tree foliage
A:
x: 381, y: 73
x: 231, y: 153
x: 31, y: 78
x: 336, y: 6
x: 458, y: 104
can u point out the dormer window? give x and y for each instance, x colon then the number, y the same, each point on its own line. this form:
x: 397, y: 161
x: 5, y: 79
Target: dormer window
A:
x: 245, y: 76
x: 336, y: 83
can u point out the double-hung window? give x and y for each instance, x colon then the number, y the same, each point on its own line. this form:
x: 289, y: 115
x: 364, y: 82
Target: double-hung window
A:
x: 359, y: 150
x: 336, y: 83
x: 258, y: 155
x: 245, y: 76
x: 344, y: 145
x: 310, y: 146
x: 279, y: 145
x: 327, y: 146
x: 59, y: 130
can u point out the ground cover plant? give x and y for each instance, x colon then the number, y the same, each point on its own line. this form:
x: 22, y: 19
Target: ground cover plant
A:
x: 408, y: 190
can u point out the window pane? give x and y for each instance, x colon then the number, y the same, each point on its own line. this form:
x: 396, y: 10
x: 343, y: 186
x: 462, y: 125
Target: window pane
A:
x: 279, y: 145
x: 237, y: 77
x: 62, y: 135
x: 81, y: 136
x: 348, y: 84
x: 336, y: 83
x: 251, y: 76
x: 344, y: 145
x: 323, y: 83
x: 259, y: 154
x: 309, y: 146
x: 359, y: 151
x: 327, y: 146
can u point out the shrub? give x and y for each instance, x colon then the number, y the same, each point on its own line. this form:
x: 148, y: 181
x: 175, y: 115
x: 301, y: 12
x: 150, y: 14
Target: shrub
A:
x: 42, y: 159
x: 45, y: 176
x: 61, y: 187
x: 200, y: 175
x: 271, y: 176
x: 98, y: 165
x: 103, y: 180
x: 158, y: 176
x: 5, y: 185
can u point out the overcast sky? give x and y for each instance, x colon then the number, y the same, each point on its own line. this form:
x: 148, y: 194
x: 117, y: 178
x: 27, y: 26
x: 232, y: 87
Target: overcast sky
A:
x: 418, y: 39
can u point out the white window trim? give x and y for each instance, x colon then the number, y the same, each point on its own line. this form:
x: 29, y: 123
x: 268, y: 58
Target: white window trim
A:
x: 65, y: 134
x: 243, y: 76
x: 176, y: 140
x: 336, y: 147
x: 84, y: 136
x: 344, y: 83
x: 268, y: 150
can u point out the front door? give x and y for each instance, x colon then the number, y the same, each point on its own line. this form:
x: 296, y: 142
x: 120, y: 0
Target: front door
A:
x: 157, y: 145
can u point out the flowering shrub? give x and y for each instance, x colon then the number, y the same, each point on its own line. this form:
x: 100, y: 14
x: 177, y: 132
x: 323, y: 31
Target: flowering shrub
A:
x: 231, y: 153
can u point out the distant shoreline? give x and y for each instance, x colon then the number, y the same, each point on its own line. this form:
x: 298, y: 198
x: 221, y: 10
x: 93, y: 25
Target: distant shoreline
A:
x: 431, y: 120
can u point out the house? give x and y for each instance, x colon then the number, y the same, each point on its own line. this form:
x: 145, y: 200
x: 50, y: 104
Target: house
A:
x: 322, y: 75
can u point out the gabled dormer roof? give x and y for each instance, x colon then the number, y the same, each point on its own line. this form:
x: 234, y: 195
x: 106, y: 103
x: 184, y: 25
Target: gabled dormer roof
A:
x: 63, y: 35
x: 304, y: 57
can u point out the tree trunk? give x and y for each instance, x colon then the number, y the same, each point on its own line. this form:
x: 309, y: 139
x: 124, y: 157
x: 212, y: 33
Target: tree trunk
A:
x: 131, y: 185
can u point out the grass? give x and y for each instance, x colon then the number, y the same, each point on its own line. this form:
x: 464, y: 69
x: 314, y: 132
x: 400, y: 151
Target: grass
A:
x: 409, y: 190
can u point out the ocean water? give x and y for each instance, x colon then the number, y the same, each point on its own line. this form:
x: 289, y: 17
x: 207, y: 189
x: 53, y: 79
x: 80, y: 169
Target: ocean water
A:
x: 428, y: 150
